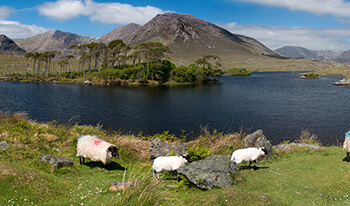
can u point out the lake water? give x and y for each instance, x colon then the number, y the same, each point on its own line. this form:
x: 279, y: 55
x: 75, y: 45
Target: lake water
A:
x: 279, y: 103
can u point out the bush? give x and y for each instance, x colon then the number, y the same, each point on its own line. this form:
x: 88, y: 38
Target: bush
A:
x: 238, y: 72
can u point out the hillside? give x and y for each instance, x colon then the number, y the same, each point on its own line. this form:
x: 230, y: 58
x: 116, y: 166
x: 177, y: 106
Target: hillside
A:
x: 53, y: 40
x: 9, y: 47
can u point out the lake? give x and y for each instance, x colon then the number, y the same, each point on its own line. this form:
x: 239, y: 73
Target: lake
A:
x: 279, y: 103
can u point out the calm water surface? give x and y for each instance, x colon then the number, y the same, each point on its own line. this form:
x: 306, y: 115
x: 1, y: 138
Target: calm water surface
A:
x: 279, y: 103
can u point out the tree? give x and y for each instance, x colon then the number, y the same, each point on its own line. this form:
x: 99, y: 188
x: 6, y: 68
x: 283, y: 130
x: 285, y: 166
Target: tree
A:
x: 151, y: 52
x: 28, y: 56
x: 117, y: 52
x: 208, y: 68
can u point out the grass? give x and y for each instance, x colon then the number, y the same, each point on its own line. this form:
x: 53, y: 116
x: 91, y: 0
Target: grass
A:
x: 302, y: 176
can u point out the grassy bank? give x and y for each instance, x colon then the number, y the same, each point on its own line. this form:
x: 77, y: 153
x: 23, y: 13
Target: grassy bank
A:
x: 299, y: 177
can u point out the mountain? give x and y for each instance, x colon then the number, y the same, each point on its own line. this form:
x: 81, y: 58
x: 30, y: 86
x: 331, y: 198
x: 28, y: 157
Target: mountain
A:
x: 9, y: 47
x: 190, y: 38
x: 53, y: 40
x: 121, y: 32
x: 320, y: 55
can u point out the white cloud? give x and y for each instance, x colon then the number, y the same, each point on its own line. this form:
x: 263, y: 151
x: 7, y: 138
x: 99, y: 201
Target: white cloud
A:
x: 337, y: 8
x: 310, y: 38
x: 14, y: 29
x: 5, y: 12
x: 106, y: 13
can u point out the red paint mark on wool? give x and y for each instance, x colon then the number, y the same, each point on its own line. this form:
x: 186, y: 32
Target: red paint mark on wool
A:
x: 97, y: 142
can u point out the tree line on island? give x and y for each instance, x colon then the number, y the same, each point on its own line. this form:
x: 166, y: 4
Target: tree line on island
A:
x: 117, y: 62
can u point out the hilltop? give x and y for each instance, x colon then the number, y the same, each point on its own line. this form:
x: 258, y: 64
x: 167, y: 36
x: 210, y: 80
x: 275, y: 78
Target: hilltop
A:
x: 8, y: 46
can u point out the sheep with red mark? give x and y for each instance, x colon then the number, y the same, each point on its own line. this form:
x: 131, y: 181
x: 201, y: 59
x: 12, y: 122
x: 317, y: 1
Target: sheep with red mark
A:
x: 96, y: 150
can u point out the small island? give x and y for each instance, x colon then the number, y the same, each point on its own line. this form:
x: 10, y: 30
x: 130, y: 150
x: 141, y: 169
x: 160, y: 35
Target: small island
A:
x: 310, y: 75
x: 117, y: 64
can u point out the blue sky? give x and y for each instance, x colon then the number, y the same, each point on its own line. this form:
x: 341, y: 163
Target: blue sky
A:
x: 313, y: 24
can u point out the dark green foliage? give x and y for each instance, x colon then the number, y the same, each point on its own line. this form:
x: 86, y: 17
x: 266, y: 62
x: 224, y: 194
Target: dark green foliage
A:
x: 311, y: 75
x: 238, y: 72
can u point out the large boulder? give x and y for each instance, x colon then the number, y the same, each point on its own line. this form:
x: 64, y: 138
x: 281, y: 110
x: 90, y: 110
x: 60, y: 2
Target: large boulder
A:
x: 258, y: 139
x: 214, y: 171
x: 58, y: 162
x: 161, y: 148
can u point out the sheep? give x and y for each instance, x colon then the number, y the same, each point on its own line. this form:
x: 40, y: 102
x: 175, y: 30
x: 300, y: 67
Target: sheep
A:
x: 346, y: 145
x: 96, y: 150
x: 170, y: 163
x: 250, y: 154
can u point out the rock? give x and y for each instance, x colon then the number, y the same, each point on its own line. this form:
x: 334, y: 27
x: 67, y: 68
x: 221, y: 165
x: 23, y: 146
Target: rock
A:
x: 285, y: 147
x: 258, y: 139
x: 87, y: 82
x: 58, y: 162
x: 343, y: 82
x: 214, y: 171
x: 4, y: 145
x: 160, y: 148
x: 122, y: 185
x: 288, y: 147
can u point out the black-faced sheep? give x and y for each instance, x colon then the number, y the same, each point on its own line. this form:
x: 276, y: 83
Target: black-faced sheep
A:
x: 250, y: 154
x: 170, y: 163
x: 96, y: 150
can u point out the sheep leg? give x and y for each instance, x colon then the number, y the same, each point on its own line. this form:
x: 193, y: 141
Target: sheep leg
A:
x: 91, y: 165
x: 255, y: 163
x: 347, y: 157
x: 177, y: 175
x: 250, y: 162
x: 81, y: 163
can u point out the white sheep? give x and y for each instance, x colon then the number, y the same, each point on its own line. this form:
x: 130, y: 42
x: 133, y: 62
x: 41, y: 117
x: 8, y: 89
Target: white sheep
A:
x: 346, y: 145
x: 96, y: 150
x: 170, y: 163
x: 250, y: 154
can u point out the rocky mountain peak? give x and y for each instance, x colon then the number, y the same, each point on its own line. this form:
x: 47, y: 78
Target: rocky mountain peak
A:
x: 8, y: 46
x: 121, y: 32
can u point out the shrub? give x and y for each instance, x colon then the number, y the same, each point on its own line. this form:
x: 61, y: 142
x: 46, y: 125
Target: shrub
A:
x: 238, y: 72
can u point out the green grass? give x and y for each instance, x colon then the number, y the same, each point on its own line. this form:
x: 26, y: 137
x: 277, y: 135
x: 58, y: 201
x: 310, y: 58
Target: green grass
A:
x: 299, y: 177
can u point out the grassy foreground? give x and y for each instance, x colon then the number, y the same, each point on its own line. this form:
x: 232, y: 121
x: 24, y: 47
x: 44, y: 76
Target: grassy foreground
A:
x: 300, y: 177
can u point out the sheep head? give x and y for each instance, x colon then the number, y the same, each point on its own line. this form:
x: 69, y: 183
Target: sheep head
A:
x: 186, y: 157
x: 114, y: 151
x: 264, y: 150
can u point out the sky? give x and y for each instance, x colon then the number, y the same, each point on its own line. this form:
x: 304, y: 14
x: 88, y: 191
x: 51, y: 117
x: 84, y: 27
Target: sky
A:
x: 312, y: 24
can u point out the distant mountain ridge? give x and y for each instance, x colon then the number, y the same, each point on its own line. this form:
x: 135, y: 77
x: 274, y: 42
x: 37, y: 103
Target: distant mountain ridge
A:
x: 9, y: 47
x: 320, y: 55
x: 53, y: 40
